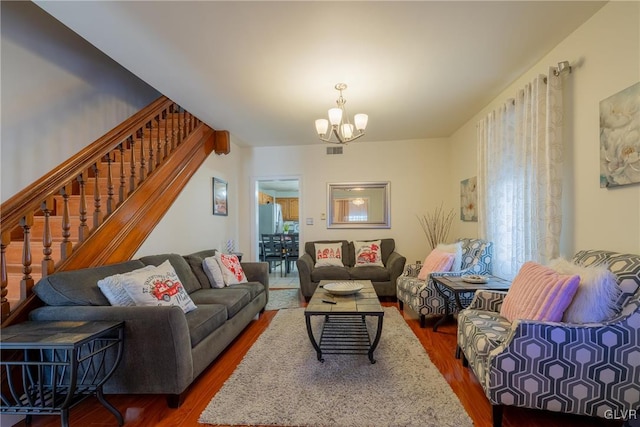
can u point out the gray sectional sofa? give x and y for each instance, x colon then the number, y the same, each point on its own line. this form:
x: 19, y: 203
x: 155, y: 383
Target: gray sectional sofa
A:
x: 165, y: 349
x: 383, y: 278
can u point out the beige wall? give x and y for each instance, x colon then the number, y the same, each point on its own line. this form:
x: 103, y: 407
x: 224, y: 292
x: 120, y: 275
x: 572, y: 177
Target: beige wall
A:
x: 605, y: 55
x: 416, y: 169
x: 59, y: 93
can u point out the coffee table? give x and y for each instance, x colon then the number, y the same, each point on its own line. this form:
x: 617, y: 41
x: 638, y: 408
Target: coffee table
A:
x: 457, y: 286
x: 344, y: 329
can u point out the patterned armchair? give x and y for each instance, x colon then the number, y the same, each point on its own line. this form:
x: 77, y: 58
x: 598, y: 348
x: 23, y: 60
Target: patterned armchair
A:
x: 422, y: 296
x: 588, y: 369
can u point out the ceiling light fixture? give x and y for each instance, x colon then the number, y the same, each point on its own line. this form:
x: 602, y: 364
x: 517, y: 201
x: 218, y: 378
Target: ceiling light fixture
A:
x: 341, y: 127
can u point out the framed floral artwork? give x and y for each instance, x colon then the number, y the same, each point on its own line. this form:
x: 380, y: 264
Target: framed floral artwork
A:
x: 620, y: 138
x: 469, y: 199
x: 219, y: 197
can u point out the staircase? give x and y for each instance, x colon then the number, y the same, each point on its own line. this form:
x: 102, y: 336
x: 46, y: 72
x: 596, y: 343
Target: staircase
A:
x: 100, y: 205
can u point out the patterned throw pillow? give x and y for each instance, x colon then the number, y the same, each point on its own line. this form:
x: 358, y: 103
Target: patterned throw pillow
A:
x: 328, y: 254
x: 539, y: 293
x: 232, y: 271
x: 437, y: 260
x: 368, y: 253
x: 111, y: 287
x: 212, y: 269
x: 158, y: 286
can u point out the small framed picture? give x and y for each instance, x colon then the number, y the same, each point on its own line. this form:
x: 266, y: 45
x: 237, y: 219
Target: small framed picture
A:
x: 219, y: 197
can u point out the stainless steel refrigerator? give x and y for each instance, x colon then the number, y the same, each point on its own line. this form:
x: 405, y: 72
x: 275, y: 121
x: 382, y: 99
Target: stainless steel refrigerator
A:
x: 270, y: 219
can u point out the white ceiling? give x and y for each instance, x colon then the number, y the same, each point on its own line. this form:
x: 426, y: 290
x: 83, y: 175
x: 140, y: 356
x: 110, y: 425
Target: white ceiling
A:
x: 266, y: 70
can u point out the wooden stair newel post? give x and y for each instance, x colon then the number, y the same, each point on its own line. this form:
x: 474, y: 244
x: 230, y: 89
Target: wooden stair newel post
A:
x: 222, y: 144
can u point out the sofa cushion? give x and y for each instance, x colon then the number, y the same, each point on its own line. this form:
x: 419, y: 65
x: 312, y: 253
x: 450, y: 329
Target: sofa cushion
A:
x: 185, y: 274
x: 330, y: 273
x: 373, y: 273
x: 204, y: 320
x: 254, y: 288
x: 80, y: 287
x: 232, y: 297
x: 195, y: 262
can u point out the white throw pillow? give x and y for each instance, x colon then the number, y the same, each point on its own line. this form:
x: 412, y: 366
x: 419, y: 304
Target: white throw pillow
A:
x: 328, y: 254
x: 456, y: 249
x: 111, y: 287
x: 232, y: 271
x: 598, y: 292
x: 212, y: 270
x: 158, y: 286
x: 368, y: 253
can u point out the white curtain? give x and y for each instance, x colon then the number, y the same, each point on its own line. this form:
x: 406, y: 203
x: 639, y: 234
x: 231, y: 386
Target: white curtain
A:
x: 520, y: 176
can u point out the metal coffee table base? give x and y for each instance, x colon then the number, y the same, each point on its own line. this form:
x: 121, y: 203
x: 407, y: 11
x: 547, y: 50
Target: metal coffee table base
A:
x: 345, y: 334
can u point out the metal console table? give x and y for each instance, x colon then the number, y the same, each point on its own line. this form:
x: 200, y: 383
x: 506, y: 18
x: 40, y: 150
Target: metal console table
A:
x: 49, y: 367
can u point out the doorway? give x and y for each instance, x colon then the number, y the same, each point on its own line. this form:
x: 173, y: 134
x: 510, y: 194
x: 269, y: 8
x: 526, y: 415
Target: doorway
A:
x: 277, y: 210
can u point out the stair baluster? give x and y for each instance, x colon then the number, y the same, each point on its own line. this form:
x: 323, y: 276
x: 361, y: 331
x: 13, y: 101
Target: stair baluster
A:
x: 110, y: 187
x: 123, y: 177
x: 97, y: 212
x: 47, y: 238
x: 132, y: 178
x: 66, y: 247
x: 83, y: 229
x: 5, y: 309
x: 26, y: 284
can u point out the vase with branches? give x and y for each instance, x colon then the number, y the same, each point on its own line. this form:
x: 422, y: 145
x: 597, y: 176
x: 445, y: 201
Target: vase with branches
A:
x: 436, y: 225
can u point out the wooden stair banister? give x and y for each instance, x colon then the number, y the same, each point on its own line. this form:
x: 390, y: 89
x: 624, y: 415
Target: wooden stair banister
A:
x: 170, y: 143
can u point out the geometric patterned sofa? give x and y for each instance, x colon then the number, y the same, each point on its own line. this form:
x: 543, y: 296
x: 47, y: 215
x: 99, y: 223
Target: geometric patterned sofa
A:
x: 589, y: 369
x: 422, y: 296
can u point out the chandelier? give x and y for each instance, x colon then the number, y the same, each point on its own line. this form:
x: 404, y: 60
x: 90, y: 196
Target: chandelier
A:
x: 343, y: 130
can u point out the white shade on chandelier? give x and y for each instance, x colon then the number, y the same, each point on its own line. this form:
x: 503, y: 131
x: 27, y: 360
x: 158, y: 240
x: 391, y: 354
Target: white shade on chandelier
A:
x: 341, y: 128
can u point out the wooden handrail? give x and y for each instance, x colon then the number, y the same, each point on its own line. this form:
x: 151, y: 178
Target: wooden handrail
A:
x: 12, y: 210
x: 171, y: 145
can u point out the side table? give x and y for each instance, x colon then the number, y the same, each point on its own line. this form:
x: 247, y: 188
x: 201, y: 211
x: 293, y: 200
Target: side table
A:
x: 52, y: 366
x: 457, y: 286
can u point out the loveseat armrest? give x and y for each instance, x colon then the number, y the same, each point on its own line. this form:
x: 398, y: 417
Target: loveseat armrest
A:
x: 395, y: 265
x: 157, y: 346
x: 487, y: 300
x: 305, y: 266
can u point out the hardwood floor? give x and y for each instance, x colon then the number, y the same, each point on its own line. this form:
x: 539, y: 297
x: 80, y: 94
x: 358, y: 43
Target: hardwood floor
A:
x: 153, y: 411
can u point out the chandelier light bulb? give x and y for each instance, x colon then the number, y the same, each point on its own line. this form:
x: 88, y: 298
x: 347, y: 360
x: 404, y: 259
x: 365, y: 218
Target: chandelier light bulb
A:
x: 360, y: 121
x: 347, y: 130
x: 335, y: 116
x: 322, y: 125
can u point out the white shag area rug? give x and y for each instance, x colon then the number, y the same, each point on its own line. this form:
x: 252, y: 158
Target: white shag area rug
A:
x: 280, y: 382
x: 283, y: 298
